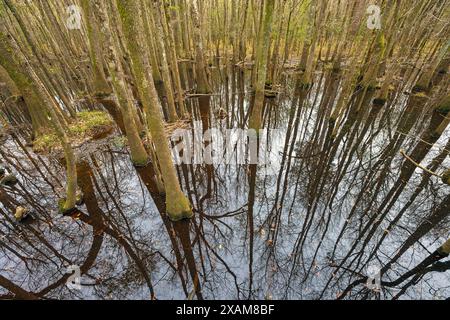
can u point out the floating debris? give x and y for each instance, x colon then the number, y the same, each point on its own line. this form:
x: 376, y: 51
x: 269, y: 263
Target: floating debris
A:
x: 21, y: 213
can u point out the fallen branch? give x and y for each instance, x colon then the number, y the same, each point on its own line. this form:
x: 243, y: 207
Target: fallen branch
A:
x: 403, y: 153
x: 194, y: 95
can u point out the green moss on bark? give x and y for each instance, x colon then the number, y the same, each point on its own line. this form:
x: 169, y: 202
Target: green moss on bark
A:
x: 446, y: 177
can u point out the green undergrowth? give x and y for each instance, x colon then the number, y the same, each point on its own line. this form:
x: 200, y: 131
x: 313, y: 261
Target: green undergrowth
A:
x: 88, y: 125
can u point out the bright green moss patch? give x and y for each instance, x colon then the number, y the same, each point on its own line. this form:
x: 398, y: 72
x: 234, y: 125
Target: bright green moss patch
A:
x: 88, y: 125
x: 45, y: 141
x: 88, y: 121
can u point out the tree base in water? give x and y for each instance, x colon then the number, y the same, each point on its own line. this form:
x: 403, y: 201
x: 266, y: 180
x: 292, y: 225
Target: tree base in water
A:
x: 141, y: 164
x: 68, y: 211
x: 379, y: 102
x: 8, y: 180
x: 419, y: 89
x: 181, y: 216
x: 270, y: 94
x: 446, y: 177
x: 101, y: 95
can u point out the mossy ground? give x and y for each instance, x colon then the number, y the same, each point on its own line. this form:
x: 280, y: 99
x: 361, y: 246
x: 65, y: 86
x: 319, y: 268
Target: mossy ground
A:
x: 89, y: 124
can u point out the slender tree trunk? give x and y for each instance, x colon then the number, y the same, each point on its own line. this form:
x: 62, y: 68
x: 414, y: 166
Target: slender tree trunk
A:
x: 177, y: 204
x: 262, y: 52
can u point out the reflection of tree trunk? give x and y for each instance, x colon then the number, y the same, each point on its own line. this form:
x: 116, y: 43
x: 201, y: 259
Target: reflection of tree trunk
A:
x: 251, y: 228
x: 84, y: 181
x: 95, y: 219
x: 430, y: 264
x: 204, y: 106
x: 436, y: 127
x: 442, y: 252
x: 205, y: 113
x: 437, y: 161
x: 7, y: 200
x: 441, y: 212
x: 433, y: 132
x: 18, y: 292
x: 182, y: 230
x: 147, y: 176
x: 179, y: 228
x: 84, y: 268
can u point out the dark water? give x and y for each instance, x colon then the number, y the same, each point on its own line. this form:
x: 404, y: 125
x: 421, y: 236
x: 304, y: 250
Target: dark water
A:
x: 338, y: 206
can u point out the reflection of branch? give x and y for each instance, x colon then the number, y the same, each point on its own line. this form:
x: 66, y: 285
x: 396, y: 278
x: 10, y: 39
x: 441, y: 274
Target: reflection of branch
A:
x: 439, y: 267
x: 228, y: 214
x: 208, y: 246
x: 87, y: 264
x: 403, y: 153
x: 429, y: 264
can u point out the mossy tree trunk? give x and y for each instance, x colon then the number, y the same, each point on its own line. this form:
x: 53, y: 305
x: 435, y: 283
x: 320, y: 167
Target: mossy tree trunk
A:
x: 170, y: 36
x: 47, y: 78
x: 262, y: 52
x: 123, y: 92
x: 161, y: 45
x: 11, y: 72
x: 177, y: 204
x: 100, y: 84
x: 200, y: 66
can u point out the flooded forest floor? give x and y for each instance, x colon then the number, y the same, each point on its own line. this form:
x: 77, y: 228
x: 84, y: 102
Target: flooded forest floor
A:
x: 356, y: 209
